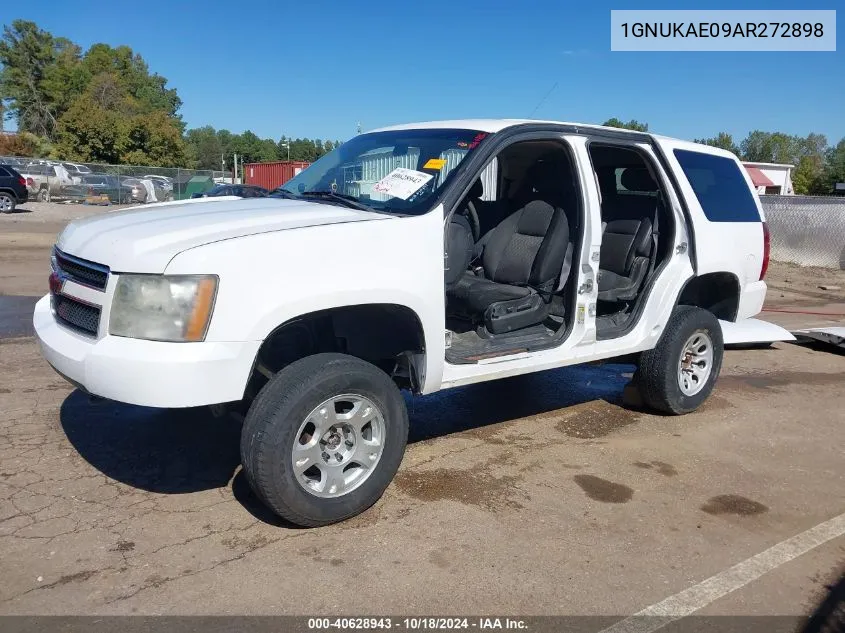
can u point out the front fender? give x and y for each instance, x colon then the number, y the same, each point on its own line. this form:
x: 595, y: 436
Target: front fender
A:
x: 271, y: 278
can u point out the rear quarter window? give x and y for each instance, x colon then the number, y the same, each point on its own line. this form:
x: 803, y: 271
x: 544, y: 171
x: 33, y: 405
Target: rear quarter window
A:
x: 719, y: 185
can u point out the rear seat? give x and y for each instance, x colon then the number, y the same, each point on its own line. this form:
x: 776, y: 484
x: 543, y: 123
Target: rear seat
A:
x: 628, y: 236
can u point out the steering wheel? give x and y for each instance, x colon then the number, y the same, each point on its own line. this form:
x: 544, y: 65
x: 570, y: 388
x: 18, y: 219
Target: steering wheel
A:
x: 472, y: 215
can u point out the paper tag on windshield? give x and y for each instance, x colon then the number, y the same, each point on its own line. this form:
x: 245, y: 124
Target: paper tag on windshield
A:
x: 402, y: 183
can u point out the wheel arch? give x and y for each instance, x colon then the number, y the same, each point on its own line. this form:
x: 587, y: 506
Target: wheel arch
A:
x: 389, y: 335
x: 716, y: 292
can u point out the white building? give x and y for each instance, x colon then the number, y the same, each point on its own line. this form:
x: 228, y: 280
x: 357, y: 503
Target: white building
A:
x: 771, y: 178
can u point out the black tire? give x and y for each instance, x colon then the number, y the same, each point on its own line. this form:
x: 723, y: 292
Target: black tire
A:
x: 284, y: 403
x: 657, y: 376
x: 7, y: 202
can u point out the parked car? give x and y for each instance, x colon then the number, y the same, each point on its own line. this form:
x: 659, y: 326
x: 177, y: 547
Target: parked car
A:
x: 14, y: 161
x: 76, y: 171
x: 419, y: 257
x: 100, y: 186
x: 46, y: 181
x: 162, y: 182
x: 242, y: 191
x: 147, y: 190
x: 13, y: 189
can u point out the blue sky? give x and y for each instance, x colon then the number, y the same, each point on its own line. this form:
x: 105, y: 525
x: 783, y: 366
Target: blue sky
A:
x: 317, y: 67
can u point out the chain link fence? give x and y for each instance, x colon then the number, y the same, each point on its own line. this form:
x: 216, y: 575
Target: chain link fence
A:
x: 807, y: 230
x: 91, y: 183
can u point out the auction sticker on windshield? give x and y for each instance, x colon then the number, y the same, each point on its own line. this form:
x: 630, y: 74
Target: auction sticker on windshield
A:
x: 402, y: 183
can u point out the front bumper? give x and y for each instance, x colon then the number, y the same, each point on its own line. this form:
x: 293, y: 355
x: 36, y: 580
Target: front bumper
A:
x: 147, y: 373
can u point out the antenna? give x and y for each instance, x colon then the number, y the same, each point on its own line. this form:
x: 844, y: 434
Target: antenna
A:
x: 539, y: 103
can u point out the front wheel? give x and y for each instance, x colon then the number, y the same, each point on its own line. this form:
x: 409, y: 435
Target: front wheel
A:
x: 324, y: 438
x: 677, y: 376
x: 7, y: 203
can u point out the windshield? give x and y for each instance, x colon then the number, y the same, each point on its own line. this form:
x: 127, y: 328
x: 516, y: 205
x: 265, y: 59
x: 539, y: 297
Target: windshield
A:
x: 395, y: 171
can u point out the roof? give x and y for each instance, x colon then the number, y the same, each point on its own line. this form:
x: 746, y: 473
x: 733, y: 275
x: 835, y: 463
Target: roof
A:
x: 749, y: 163
x: 758, y: 177
x: 492, y: 125
x: 496, y: 125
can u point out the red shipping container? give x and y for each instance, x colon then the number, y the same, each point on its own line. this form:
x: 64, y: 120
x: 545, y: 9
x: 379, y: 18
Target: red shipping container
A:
x: 272, y: 175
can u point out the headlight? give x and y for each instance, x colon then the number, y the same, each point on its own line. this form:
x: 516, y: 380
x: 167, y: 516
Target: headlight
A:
x: 163, y: 308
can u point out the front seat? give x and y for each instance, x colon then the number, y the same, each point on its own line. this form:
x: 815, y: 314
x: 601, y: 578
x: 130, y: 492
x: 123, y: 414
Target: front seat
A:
x: 628, y: 237
x: 521, y: 261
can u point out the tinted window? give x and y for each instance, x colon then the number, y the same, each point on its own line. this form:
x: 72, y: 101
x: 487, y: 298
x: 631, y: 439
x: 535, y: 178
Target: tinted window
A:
x: 719, y: 186
x: 4, y: 171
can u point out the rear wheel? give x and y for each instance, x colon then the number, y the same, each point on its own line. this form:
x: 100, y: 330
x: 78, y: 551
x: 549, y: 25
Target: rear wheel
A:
x: 678, y: 375
x: 324, y: 438
x: 7, y: 203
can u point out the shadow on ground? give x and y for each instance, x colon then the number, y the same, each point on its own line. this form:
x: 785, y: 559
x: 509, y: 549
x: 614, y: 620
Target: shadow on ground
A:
x: 16, y: 316
x: 174, y: 451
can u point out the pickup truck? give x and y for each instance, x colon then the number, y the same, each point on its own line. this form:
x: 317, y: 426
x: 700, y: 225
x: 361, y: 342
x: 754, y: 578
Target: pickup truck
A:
x: 46, y: 181
x: 418, y: 257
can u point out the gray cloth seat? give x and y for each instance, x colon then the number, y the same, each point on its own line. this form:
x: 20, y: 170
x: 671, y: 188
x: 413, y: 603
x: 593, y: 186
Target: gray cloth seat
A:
x: 521, y: 260
x: 628, y: 236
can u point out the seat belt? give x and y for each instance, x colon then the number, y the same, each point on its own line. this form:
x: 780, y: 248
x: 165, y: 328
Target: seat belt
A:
x: 567, y: 266
x: 654, y: 233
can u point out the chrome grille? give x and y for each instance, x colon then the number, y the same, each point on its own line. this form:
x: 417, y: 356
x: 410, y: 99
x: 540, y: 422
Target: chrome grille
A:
x: 77, y: 315
x: 81, y: 270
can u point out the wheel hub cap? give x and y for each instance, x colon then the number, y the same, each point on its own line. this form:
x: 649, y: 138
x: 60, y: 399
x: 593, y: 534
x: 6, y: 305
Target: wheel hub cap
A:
x: 696, y: 363
x: 338, y: 445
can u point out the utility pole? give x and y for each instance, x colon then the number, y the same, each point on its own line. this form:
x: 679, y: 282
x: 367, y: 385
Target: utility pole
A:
x: 235, y: 169
x: 222, y: 162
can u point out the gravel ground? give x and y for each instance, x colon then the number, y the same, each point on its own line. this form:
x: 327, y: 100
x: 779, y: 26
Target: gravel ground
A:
x: 539, y: 494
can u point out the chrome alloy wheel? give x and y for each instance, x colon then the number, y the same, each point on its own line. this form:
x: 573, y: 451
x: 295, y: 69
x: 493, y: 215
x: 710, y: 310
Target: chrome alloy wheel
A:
x: 338, y: 445
x: 696, y: 363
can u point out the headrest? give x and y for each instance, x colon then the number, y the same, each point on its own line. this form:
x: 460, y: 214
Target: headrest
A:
x: 477, y: 189
x: 637, y: 179
x: 535, y: 219
x: 548, y: 178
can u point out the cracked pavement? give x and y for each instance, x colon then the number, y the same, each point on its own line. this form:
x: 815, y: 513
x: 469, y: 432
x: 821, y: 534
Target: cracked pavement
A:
x: 532, y: 495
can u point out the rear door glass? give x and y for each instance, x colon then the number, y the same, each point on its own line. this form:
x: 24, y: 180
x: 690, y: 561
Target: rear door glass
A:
x: 720, y: 187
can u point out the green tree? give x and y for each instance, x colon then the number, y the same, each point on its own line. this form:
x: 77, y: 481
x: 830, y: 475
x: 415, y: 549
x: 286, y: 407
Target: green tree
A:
x: 104, y: 105
x: 31, y: 86
x: 633, y: 124
x: 807, y: 176
x: 253, y: 149
x: 834, y: 170
x: 722, y: 140
x: 88, y: 132
x: 149, y: 92
x: 206, y: 147
x: 154, y: 138
x: 770, y: 147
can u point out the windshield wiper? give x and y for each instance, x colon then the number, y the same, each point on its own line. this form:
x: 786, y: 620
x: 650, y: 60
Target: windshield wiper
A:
x: 283, y: 193
x: 350, y: 201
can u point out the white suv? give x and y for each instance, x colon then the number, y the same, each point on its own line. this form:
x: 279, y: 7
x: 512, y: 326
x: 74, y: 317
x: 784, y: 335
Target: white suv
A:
x: 416, y: 257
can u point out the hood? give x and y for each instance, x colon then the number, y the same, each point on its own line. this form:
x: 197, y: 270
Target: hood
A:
x: 145, y: 240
